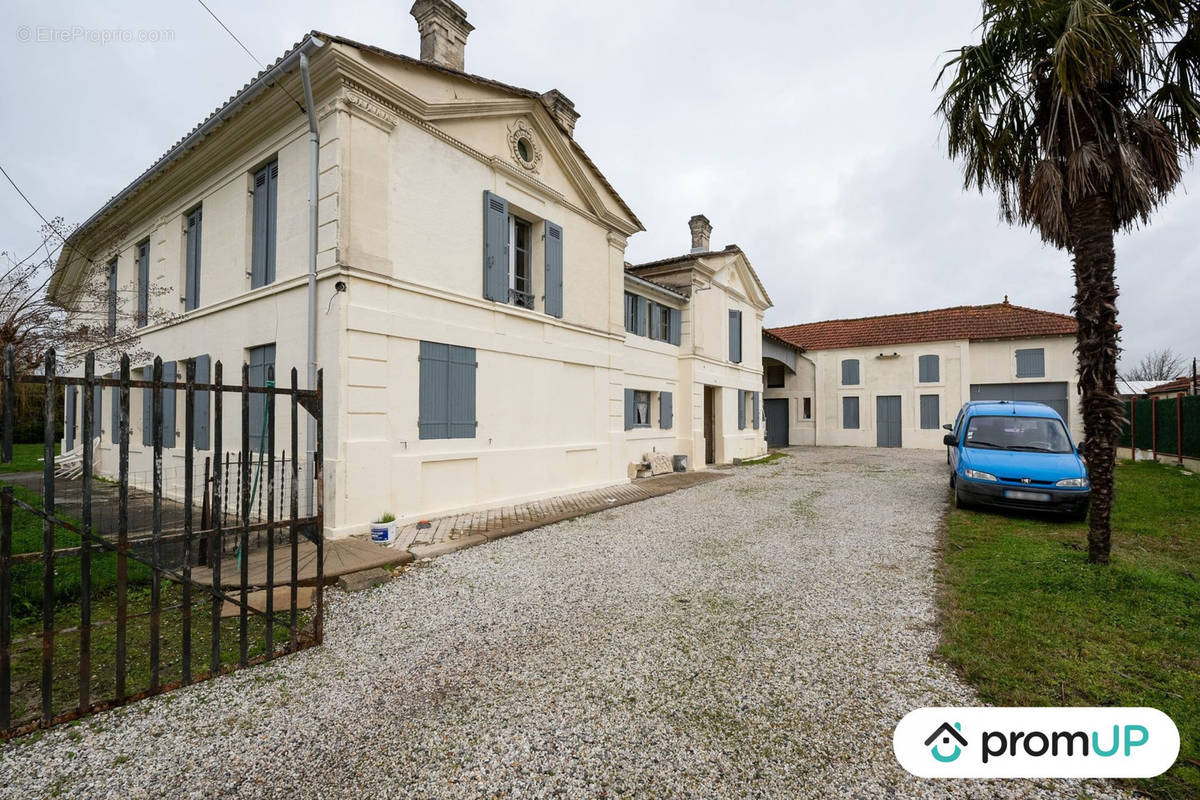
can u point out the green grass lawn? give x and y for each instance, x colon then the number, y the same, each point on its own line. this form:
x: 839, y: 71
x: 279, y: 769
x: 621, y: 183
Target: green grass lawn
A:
x: 25, y: 458
x: 27, y: 575
x: 1028, y: 621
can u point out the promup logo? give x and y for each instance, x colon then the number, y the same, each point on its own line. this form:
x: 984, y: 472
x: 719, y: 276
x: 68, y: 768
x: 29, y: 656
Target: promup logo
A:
x: 946, y: 732
x: 1036, y: 742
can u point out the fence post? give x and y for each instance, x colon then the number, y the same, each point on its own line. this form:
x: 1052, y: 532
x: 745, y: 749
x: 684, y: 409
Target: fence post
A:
x: 6, y: 533
x: 156, y: 440
x: 1132, y: 428
x: 1179, y: 428
x: 10, y: 387
x: 1154, y: 427
x: 244, y: 508
x: 85, y: 555
x: 122, y: 521
x: 189, y: 441
x: 48, y: 441
x: 216, y: 544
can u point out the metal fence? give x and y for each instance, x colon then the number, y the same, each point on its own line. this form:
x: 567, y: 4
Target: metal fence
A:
x: 94, y: 612
x: 1168, y: 426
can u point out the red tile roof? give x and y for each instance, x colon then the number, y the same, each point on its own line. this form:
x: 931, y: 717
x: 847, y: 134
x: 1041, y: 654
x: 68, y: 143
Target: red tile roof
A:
x: 995, y: 321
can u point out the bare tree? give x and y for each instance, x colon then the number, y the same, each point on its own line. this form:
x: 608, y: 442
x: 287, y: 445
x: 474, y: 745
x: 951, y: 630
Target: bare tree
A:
x: 1157, y: 365
x: 82, y: 316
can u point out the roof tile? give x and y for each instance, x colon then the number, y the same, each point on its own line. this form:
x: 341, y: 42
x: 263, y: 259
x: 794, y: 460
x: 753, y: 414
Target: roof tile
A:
x: 995, y: 321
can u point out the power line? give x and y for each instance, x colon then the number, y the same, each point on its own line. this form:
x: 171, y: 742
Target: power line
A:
x: 29, y: 202
x: 261, y: 65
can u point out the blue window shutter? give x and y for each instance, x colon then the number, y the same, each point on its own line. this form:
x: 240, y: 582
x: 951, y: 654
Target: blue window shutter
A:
x: 741, y: 409
x: 928, y: 369
x: 116, y: 411
x: 143, y: 283
x: 97, y: 410
x: 262, y: 366
x: 147, y: 373
x: 461, y: 392
x: 735, y: 336
x: 554, y: 270
x: 1031, y: 363
x: 929, y: 412
x: 850, y: 413
x: 629, y: 413
x: 168, y: 405
x: 434, y: 421
x: 200, y: 409
x: 266, y: 191
x: 112, y: 297
x: 656, y: 331
x: 495, y: 248
x: 754, y: 399
x: 675, y: 325
x: 643, y: 316
x: 850, y: 376
x: 69, y: 419
x: 272, y: 215
x: 191, y: 294
x: 666, y: 411
x: 630, y: 313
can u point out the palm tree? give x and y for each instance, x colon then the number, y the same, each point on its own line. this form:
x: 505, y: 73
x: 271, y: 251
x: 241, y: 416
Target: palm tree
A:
x: 1078, y: 113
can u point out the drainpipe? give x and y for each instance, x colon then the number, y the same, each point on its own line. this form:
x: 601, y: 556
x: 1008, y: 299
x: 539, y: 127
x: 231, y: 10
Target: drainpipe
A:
x: 314, y: 154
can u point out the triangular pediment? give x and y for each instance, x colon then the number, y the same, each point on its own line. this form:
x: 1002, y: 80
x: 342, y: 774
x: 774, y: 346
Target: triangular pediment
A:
x: 506, y: 127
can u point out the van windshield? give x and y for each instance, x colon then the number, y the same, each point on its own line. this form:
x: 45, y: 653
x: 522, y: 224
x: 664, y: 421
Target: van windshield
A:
x: 1032, y: 434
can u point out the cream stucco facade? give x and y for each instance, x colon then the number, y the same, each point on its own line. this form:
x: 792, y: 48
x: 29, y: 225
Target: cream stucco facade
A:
x: 410, y: 154
x: 966, y: 369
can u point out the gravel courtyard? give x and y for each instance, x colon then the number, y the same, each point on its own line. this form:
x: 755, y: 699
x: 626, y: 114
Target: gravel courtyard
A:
x: 758, y: 636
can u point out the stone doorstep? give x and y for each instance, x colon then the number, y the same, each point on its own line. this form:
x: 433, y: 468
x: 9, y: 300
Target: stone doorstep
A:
x: 282, y: 601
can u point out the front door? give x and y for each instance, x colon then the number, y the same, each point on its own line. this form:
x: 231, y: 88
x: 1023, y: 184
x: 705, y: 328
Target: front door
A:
x: 777, y: 422
x: 710, y: 443
x: 887, y: 421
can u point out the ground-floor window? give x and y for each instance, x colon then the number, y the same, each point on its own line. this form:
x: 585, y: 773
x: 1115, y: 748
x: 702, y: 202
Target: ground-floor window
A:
x: 930, y: 412
x: 641, y: 409
x: 447, y: 391
x: 806, y: 408
x: 850, y: 413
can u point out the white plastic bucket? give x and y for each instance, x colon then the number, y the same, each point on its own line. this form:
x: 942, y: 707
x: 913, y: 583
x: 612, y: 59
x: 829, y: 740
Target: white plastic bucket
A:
x: 383, y: 532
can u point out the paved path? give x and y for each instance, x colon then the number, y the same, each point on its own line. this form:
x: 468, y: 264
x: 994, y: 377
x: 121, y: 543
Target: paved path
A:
x: 752, y: 637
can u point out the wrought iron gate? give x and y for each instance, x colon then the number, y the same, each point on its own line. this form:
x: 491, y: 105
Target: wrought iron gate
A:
x: 93, y: 579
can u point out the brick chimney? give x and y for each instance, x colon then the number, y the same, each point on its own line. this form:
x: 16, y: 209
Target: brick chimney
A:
x: 562, y: 109
x: 444, y: 29
x: 701, y: 230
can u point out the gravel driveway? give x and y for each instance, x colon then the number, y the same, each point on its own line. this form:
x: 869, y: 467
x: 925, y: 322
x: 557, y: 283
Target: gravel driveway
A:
x: 758, y: 636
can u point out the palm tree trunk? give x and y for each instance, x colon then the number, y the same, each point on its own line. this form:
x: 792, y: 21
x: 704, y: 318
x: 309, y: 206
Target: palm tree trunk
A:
x: 1097, y: 349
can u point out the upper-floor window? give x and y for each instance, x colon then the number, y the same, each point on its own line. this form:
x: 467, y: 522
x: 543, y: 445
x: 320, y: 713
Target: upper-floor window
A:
x: 508, y: 257
x: 143, y: 282
x: 520, y: 280
x: 112, y: 297
x: 1031, y: 363
x: 776, y: 377
x: 632, y: 309
x: 266, y: 201
x: 850, y: 373
x: 929, y: 369
x: 191, y: 292
x: 735, y: 336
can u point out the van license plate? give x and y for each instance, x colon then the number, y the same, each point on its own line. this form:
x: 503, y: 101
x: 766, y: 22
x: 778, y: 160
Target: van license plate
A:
x: 1039, y: 497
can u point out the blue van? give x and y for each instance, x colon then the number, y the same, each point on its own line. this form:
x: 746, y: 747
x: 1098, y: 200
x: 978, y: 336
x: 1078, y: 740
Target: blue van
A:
x: 1016, y: 455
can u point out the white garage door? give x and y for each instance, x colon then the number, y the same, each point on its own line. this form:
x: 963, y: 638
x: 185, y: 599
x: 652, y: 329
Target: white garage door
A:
x: 1052, y: 394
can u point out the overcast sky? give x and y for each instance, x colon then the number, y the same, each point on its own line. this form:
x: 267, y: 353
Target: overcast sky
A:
x: 803, y: 130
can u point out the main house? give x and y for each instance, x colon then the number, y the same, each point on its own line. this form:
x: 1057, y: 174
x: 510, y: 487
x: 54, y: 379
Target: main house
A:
x: 482, y: 337
x: 893, y: 381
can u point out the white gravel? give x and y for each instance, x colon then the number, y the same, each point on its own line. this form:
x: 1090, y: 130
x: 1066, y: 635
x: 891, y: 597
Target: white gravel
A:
x: 758, y: 636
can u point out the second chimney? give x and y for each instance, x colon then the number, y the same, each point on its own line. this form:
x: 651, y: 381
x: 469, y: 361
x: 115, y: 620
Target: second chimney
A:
x: 444, y: 29
x: 701, y: 230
